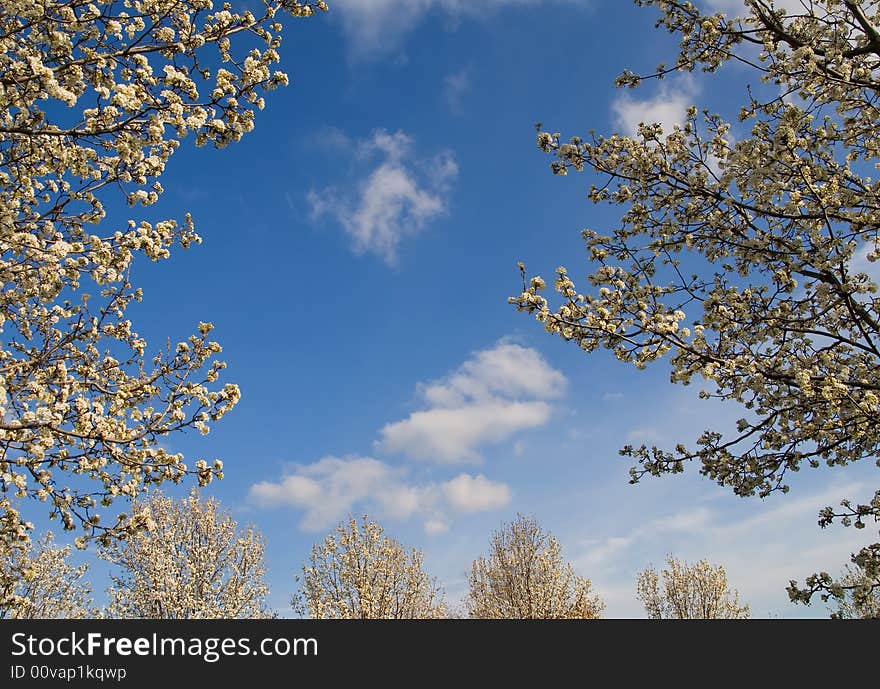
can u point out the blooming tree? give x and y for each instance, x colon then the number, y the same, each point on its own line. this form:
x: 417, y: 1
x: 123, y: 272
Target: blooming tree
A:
x: 858, y: 596
x: 525, y: 577
x: 743, y: 257
x: 40, y: 583
x: 95, y: 97
x: 358, y: 572
x: 192, y: 561
x: 696, y: 591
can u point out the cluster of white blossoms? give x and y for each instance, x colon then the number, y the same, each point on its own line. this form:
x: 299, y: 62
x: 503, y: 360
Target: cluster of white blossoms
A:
x: 740, y: 256
x: 358, y: 572
x: 95, y: 96
x: 696, y: 591
x: 39, y: 583
x: 192, y: 561
x: 524, y: 577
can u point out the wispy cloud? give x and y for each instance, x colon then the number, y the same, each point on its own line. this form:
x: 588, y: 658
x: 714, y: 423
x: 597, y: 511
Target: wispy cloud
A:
x: 760, y: 552
x: 492, y: 396
x: 333, y: 487
x: 645, y: 434
x: 604, y: 553
x: 455, y: 85
x: 396, y: 193
x: 376, y: 27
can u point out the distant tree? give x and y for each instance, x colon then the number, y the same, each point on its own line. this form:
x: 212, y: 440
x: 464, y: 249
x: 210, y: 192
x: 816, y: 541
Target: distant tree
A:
x: 42, y: 584
x: 742, y: 253
x: 689, y: 592
x: 95, y: 97
x: 525, y: 577
x: 857, y: 594
x: 358, y: 572
x: 191, y: 562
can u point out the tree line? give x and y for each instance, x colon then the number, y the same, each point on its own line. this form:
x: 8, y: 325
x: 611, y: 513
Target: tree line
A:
x: 193, y: 561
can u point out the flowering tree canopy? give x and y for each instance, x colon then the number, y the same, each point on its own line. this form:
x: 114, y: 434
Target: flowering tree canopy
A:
x: 525, y: 577
x: 358, y: 572
x: 39, y: 583
x: 743, y: 258
x: 95, y: 96
x: 689, y: 592
x: 191, y: 562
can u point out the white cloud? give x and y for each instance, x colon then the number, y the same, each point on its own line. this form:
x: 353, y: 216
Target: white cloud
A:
x: 376, y: 27
x: 507, y: 370
x: 467, y: 493
x: 333, y: 487
x: 330, y: 487
x: 451, y: 435
x: 861, y: 264
x: 434, y: 526
x: 492, y: 396
x: 668, y: 107
x: 454, y: 87
x: 396, y: 197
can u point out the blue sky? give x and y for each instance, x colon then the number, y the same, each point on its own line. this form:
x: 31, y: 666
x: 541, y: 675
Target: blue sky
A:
x: 359, y: 249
